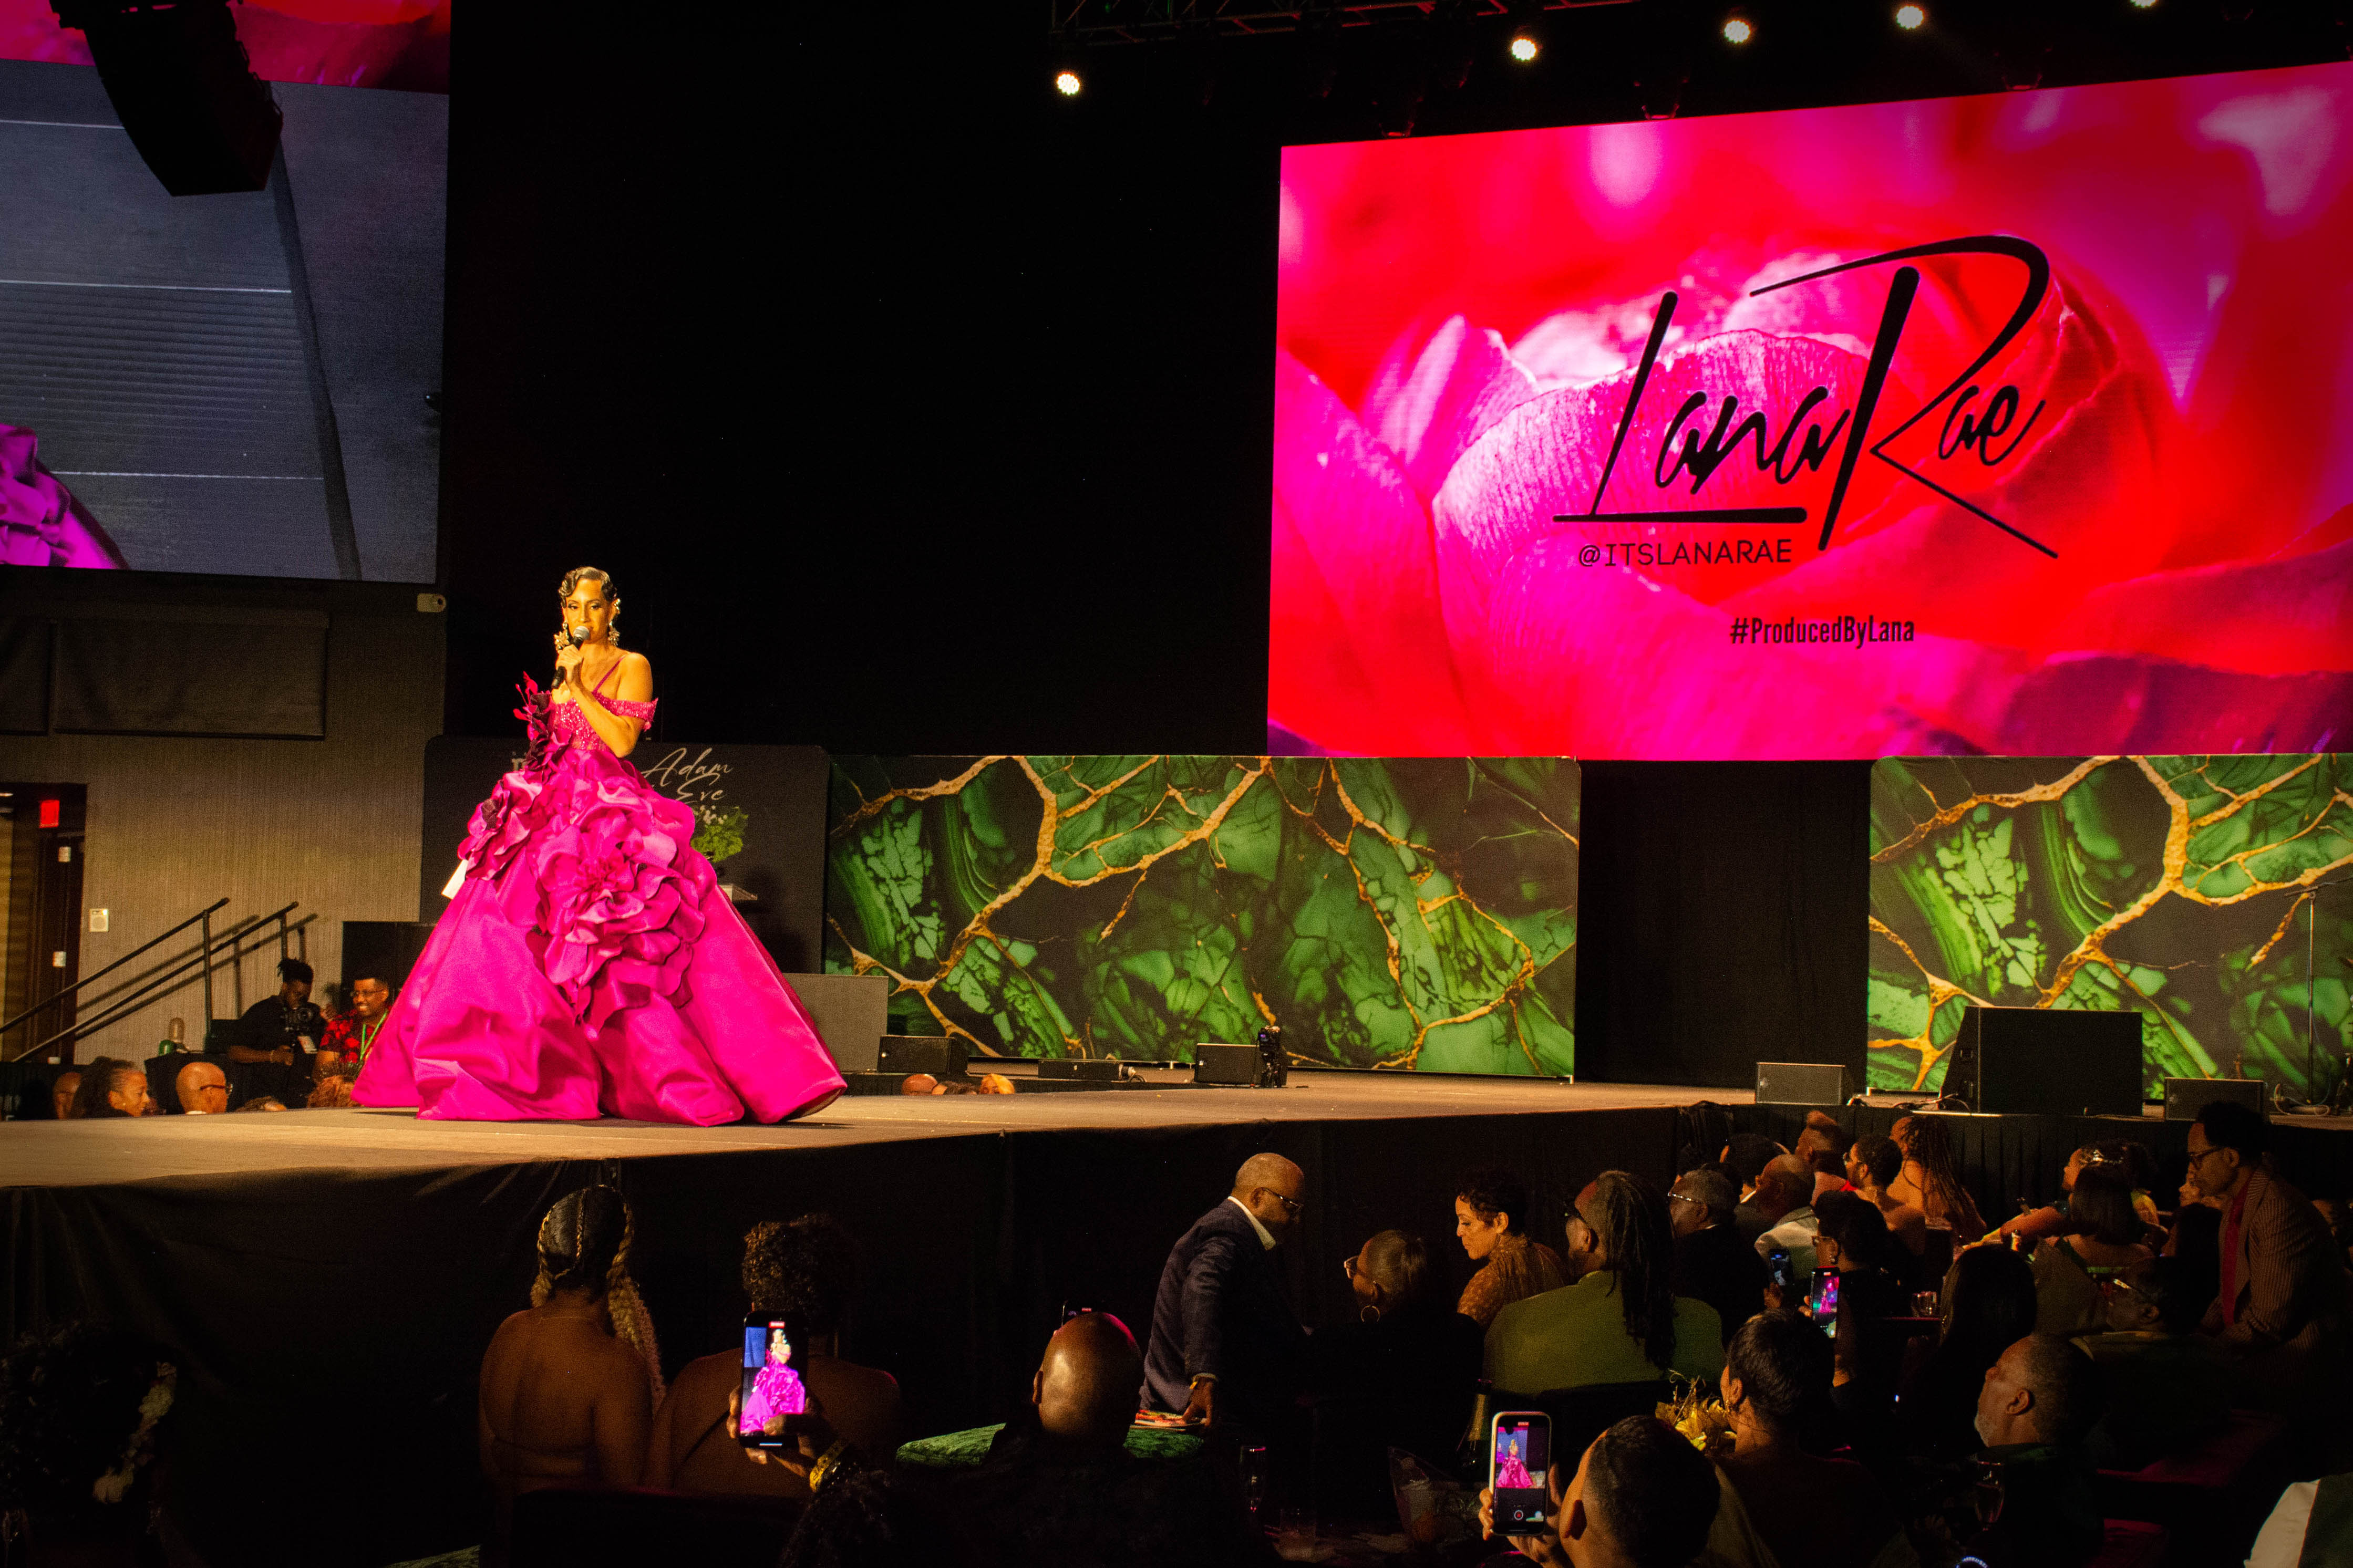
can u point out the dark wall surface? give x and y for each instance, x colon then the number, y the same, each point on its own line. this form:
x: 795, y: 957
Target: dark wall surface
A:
x: 1722, y: 910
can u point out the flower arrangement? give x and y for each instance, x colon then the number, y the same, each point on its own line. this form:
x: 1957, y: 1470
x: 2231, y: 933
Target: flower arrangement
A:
x: 720, y: 834
x: 1697, y: 1412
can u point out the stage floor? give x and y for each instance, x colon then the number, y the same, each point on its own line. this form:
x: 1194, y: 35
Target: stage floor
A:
x: 80, y: 1154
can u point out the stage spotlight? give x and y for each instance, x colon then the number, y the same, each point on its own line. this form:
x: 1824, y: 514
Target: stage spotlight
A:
x: 1524, y: 46
x: 1067, y: 82
x: 1911, y: 18
x: 1739, y: 30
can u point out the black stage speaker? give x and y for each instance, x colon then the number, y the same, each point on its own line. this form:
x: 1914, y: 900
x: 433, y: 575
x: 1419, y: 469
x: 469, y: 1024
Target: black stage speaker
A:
x: 2026, y: 1060
x: 382, y: 950
x: 1088, y: 1070
x: 183, y: 88
x: 850, y: 1012
x: 1236, y: 1064
x: 1800, y: 1083
x: 2185, y: 1096
x: 941, y: 1056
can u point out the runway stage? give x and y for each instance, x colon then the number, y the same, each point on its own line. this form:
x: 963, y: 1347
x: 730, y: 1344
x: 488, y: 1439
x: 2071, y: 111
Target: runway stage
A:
x: 327, y: 1281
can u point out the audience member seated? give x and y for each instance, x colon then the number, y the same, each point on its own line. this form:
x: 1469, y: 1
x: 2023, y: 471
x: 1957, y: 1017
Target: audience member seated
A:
x: 1401, y: 1373
x: 1747, y: 1155
x: 568, y: 1387
x: 805, y: 1268
x: 2051, y: 1219
x: 63, y: 1089
x: 352, y: 1031
x: 111, y: 1087
x: 2100, y: 1237
x: 1822, y: 1513
x: 1871, y: 1165
x: 1823, y: 1146
x: 263, y: 1103
x: 1930, y: 1179
x: 2283, y: 1291
x: 1638, y: 1497
x: 1622, y: 1322
x: 2039, y: 1404
x: 1784, y: 1199
x: 1712, y: 1263
x: 84, y: 1410
x: 1989, y: 1306
x: 1058, y: 1486
x: 272, y: 1031
x: 1226, y: 1345
x: 2167, y: 1388
x: 203, y: 1089
x: 1490, y: 1220
x: 331, y: 1092
x: 1854, y: 1242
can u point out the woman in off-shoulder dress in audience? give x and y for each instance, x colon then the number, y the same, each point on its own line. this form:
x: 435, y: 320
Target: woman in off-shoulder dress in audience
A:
x: 588, y: 963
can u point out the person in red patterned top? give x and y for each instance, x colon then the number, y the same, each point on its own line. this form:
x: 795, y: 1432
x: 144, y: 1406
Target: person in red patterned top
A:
x: 350, y: 1036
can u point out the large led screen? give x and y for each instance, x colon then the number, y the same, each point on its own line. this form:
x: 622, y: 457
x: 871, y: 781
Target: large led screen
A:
x: 224, y: 384
x: 2019, y: 424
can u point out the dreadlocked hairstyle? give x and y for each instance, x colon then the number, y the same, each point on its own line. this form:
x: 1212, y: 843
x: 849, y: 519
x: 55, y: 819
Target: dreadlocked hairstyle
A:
x: 583, y: 1244
x: 1630, y: 1218
x: 1927, y: 1145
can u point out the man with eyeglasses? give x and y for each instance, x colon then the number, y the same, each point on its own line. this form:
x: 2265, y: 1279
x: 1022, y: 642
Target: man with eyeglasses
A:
x: 2283, y: 1288
x: 1226, y: 1346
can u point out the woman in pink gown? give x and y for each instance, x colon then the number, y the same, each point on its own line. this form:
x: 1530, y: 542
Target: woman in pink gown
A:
x: 588, y: 963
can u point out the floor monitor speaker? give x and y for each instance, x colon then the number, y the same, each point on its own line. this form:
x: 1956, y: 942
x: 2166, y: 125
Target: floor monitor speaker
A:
x: 1236, y: 1065
x: 1800, y: 1083
x: 2185, y: 1096
x: 2025, y: 1060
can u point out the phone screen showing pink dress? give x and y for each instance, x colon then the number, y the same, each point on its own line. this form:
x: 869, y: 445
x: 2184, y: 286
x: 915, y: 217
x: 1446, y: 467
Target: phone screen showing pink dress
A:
x: 1521, y: 1459
x: 772, y: 1387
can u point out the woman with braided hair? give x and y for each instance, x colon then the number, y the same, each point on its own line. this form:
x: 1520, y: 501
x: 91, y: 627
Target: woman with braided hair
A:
x: 1931, y: 1178
x: 588, y: 963
x: 569, y: 1386
x: 1622, y: 1322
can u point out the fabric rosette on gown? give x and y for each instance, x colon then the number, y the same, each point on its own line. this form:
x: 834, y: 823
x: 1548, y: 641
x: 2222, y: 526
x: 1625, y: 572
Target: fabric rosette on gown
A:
x: 589, y: 964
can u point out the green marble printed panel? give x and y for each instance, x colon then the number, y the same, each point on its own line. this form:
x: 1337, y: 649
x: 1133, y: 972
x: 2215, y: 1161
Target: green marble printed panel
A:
x: 1414, y: 912
x: 2189, y: 889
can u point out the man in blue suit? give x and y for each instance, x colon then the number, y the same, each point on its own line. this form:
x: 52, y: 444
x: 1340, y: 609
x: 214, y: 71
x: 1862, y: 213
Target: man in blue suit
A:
x: 1225, y: 1345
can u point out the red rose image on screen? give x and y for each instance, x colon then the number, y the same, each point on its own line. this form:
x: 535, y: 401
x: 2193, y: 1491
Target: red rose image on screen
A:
x: 2112, y: 502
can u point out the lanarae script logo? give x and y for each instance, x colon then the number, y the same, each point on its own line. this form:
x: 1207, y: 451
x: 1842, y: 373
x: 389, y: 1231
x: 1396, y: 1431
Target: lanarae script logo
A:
x: 1988, y: 427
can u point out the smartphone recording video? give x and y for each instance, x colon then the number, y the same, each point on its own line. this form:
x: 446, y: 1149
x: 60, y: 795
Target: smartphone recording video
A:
x: 772, y: 1387
x: 1822, y: 1301
x: 1520, y: 1453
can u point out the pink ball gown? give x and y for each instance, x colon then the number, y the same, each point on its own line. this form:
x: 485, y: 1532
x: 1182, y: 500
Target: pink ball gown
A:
x: 589, y: 964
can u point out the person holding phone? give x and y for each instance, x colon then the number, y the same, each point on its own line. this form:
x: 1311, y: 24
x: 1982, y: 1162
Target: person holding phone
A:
x: 1638, y: 1497
x: 804, y: 1270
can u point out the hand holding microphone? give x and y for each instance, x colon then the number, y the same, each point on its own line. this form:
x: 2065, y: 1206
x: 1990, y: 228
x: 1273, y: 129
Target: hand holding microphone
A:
x: 567, y: 652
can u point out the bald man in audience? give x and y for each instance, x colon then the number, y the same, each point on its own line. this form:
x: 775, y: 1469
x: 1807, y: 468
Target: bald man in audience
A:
x: 1226, y: 1346
x: 1060, y: 1485
x: 62, y: 1091
x: 203, y: 1089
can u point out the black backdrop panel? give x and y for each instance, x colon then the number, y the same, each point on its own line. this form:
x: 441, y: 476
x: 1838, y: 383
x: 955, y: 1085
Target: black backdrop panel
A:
x: 1723, y: 911
x: 782, y: 788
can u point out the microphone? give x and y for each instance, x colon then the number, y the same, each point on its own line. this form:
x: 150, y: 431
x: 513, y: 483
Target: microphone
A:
x: 579, y: 636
